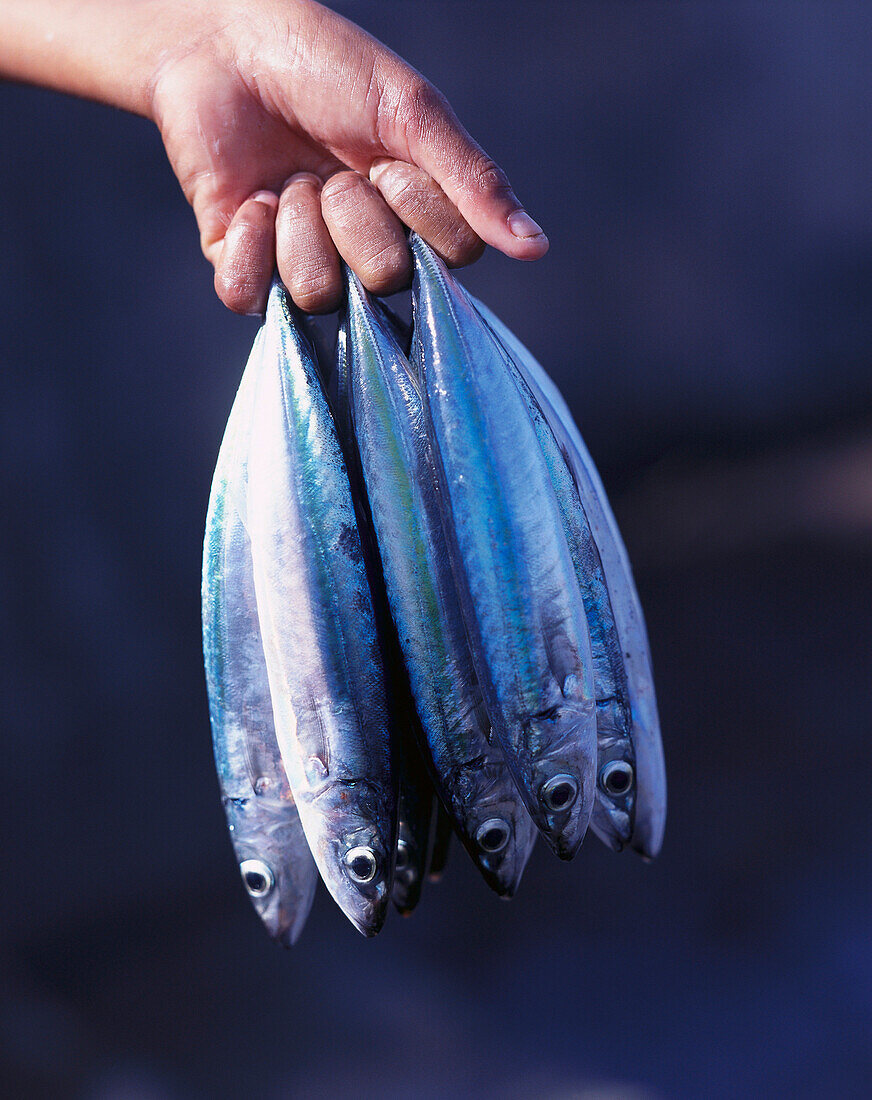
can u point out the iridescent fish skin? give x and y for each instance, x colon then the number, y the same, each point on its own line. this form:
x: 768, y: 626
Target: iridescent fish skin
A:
x: 613, y: 810
x: 522, y: 606
x: 415, y: 799
x: 648, y: 817
x: 276, y: 865
x: 440, y: 844
x: 413, y: 836
x: 319, y: 634
x: 471, y: 774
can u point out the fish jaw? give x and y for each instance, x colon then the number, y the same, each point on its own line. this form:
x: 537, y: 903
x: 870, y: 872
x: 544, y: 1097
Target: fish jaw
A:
x: 565, y: 788
x: 615, y: 809
x: 269, y: 844
x: 499, y: 836
x: 350, y: 825
x: 650, y: 817
x: 649, y: 811
x: 408, y: 870
x: 518, y: 589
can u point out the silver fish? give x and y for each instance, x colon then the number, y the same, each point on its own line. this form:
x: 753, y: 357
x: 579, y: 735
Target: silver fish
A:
x: 471, y: 774
x: 520, y: 596
x: 413, y: 836
x: 612, y: 815
x: 440, y: 843
x: 319, y: 633
x: 644, y: 774
x: 274, y: 859
x: 415, y: 801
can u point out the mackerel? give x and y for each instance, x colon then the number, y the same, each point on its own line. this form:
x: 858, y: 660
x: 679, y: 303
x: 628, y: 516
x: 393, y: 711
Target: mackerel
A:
x: 522, y: 605
x: 322, y: 652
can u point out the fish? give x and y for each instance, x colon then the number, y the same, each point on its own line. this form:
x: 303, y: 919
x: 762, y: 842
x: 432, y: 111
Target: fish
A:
x: 522, y: 606
x: 323, y: 657
x: 470, y: 773
x: 413, y: 837
x: 612, y: 815
x: 440, y: 843
x: 415, y: 801
x: 642, y: 773
x: 277, y: 868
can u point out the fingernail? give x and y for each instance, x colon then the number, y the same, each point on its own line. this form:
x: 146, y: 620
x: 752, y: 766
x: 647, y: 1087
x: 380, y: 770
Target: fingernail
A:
x: 378, y: 168
x: 302, y: 177
x: 522, y: 225
x: 268, y: 198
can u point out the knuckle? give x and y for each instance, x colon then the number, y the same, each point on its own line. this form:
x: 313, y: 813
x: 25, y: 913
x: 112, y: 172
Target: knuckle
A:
x: 386, y: 270
x: 240, y: 296
x: 404, y: 187
x: 340, y: 189
x: 485, y: 176
x: 425, y: 99
x: 316, y: 292
x: 415, y: 105
x: 463, y: 247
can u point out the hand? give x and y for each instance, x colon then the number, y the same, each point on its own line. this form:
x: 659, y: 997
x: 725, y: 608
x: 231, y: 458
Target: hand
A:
x: 298, y: 138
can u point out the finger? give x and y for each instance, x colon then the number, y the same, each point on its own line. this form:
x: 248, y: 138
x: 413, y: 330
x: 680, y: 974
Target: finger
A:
x: 367, y: 234
x: 421, y: 204
x: 424, y: 129
x: 307, y: 258
x: 244, y: 265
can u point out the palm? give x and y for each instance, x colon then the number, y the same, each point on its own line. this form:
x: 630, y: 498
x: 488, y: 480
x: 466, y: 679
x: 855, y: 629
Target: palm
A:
x: 225, y: 144
x: 292, y: 88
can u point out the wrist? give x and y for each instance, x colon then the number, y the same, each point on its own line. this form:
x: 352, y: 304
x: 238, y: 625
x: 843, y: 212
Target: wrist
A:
x: 107, y: 50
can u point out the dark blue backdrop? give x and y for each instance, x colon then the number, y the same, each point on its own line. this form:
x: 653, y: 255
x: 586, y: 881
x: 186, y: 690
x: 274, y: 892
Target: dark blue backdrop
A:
x: 704, y: 173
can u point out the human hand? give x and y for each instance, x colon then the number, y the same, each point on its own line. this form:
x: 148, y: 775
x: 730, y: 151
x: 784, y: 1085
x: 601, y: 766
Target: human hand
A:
x: 298, y: 138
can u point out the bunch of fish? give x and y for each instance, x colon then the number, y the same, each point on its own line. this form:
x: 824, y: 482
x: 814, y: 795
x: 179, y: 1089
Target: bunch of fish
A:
x: 418, y: 614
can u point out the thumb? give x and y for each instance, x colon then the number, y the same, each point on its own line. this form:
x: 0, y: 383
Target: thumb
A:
x: 426, y: 130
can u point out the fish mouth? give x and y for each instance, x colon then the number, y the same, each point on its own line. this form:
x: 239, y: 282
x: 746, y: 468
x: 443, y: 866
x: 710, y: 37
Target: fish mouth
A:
x: 502, y: 870
x: 368, y: 919
x: 646, y: 839
x: 365, y: 903
x: 565, y: 844
x: 610, y: 824
x: 503, y: 880
x: 649, y: 819
x: 289, y: 935
x: 564, y: 801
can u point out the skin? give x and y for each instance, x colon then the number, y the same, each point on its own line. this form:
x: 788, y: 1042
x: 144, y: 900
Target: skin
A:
x: 521, y: 602
x: 649, y: 817
x: 319, y: 634
x: 471, y: 774
x: 612, y: 815
x: 261, y: 814
x: 297, y: 138
x: 413, y: 836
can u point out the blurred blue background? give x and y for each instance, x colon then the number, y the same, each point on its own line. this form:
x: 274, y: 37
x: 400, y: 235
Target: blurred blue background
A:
x: 703, y: 171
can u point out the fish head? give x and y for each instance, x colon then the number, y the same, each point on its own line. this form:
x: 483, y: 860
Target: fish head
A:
x: 612, y: 818
x: 560, y: 767
x: 408, y: 869
x: 274, y: 861
x: 356, y: 842
x: 613, y: 814
x: 493, y: 823
x: 499, y: 836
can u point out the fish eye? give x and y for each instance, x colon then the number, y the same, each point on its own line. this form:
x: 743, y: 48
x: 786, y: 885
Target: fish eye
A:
x: 492, y: 835
x: 559, y: 792
x: 616, y: 777
x: 403, y: 855
x: 361, y: 864
x: 258, y: 878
